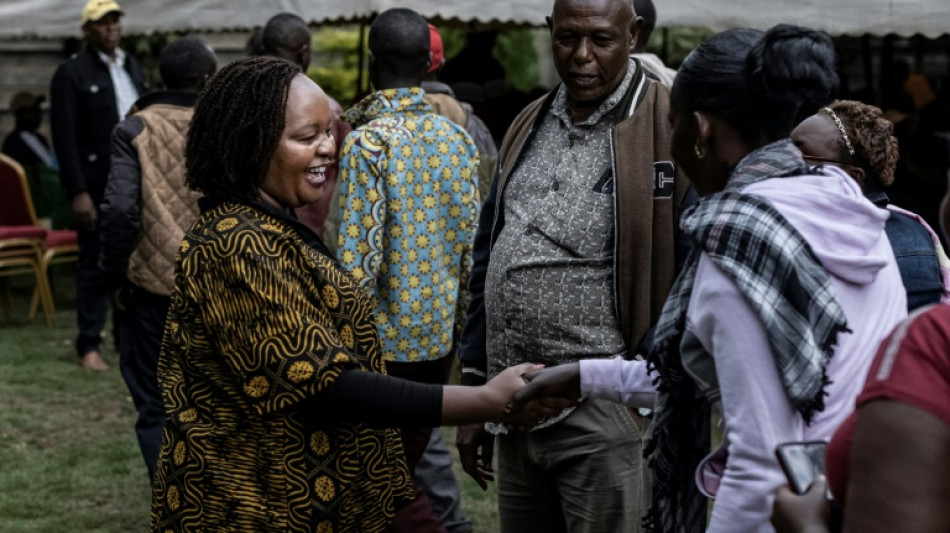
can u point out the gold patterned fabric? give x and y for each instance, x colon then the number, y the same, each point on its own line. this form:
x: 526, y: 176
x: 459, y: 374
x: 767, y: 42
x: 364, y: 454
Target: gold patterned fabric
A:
x: 260, y: 322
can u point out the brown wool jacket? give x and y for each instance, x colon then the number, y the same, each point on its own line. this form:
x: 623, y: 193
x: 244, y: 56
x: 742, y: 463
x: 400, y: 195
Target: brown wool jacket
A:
x: 647, y: 201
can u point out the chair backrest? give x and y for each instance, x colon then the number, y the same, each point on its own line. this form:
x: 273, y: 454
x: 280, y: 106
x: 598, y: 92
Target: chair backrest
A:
x: 16, y: 204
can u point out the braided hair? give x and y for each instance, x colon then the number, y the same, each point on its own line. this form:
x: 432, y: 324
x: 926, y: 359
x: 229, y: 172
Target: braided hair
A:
x: 762, y: 84
x: 237, y: 124
x: 872, y: 136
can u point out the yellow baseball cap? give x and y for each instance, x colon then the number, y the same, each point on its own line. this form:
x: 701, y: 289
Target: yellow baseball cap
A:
x: 96, y: 9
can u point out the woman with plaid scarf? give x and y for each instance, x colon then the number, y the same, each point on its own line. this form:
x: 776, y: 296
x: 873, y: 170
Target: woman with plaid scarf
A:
x: 791, y: 283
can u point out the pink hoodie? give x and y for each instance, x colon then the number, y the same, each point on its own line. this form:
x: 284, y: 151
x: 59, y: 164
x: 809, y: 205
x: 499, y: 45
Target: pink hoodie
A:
x: 725, y: 347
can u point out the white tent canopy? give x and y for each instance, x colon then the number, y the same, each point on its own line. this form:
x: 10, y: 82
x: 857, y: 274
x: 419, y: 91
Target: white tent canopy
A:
x: 60, y: 18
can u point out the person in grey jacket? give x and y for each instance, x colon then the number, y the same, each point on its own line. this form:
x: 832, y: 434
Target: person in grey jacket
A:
x: 145, y: 213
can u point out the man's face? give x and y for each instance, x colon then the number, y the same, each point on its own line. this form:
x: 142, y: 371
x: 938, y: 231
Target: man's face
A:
x: 592, y: 41
x: 104, y: 34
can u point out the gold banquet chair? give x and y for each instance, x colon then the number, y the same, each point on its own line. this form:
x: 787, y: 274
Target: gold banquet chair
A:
x: 21, y: 239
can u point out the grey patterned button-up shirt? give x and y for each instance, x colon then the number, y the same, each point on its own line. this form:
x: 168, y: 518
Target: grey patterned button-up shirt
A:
x: 549, y: 290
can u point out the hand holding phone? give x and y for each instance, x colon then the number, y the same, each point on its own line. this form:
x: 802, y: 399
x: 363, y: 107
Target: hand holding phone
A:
x: 802, y: 462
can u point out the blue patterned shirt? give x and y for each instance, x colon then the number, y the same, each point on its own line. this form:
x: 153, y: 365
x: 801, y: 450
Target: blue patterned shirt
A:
x: 409, y: 201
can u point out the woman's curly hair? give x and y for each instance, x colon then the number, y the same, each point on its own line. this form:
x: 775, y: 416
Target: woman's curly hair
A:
x: 872, y: 136
x: 237, y: 124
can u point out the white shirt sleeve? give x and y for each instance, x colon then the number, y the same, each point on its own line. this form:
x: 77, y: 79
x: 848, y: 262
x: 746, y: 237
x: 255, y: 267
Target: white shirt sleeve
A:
x: 755, y: 408
x: 618, y: 380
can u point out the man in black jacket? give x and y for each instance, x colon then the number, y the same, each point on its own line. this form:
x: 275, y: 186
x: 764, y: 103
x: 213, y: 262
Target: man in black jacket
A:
x: 146, y: 211
x: 89, y: 93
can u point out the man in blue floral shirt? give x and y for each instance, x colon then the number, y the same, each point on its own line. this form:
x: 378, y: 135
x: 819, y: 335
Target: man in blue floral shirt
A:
x: 409, y: 200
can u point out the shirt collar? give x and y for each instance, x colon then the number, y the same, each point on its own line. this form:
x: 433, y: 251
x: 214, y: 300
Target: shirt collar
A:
x: 878, y: 198
x: 387, y: 102
x: 119, y: 58
x: 561, y: 107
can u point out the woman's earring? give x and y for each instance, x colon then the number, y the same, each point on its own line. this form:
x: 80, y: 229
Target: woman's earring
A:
x: 700, y: 151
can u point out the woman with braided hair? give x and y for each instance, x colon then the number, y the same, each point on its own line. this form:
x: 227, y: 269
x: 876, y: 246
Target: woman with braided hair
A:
x: 276, y: 399
x: 858, y: 139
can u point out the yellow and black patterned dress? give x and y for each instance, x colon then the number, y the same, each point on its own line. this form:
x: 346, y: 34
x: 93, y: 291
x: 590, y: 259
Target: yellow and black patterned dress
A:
x: 261, y: 321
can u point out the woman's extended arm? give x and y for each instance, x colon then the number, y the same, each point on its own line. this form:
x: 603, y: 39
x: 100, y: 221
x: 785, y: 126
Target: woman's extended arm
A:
x: 386, y: 401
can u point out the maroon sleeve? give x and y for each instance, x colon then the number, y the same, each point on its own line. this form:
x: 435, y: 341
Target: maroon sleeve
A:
x: 913, y: 365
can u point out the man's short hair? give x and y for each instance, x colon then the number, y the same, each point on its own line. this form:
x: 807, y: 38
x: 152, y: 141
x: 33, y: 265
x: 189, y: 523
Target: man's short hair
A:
x: 399, y: 40
x: 280, y: 30
x: 645, y: 9
x: 186, y: 62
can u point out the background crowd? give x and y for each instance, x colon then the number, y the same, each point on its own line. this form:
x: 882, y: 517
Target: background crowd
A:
x: 301, y: 294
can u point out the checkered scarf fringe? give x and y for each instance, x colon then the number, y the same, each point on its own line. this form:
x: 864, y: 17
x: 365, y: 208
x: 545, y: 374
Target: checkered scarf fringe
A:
x: 780, y: 277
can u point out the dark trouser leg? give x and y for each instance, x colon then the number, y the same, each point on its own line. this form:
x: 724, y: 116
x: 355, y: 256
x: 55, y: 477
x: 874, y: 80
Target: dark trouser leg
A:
x: 92, y: 302
x: 140, y: 339
x: 434, y: 475
x: 418, y: 516
x: 584, y: 474
x: 528, y: 501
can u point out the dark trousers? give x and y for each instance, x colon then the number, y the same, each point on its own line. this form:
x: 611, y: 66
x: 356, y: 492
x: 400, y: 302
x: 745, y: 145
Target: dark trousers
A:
x: 140, y: 341
x: 92, y: 299
x: 418, y: 516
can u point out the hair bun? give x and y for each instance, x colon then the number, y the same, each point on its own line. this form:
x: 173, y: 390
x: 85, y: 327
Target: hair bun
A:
x: 795, y: 64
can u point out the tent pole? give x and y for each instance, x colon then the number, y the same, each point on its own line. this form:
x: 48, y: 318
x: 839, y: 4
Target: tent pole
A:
x: 665, y: 51
x: 361, y: 53
x: 919, y: 41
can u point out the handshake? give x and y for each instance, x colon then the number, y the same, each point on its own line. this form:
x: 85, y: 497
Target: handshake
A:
x: 536, y: 393
x: 521, y: 396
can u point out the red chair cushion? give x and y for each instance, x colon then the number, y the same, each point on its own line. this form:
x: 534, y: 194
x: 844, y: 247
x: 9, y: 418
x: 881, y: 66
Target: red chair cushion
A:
x: 61, y: 237
x: 22, y: 232
x: 14, y: 200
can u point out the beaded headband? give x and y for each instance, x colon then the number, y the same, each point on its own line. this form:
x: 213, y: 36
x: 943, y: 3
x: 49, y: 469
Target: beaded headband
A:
x: 844, y: 134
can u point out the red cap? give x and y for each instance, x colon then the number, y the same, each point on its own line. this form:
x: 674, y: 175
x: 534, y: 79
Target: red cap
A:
x: 435, y: 46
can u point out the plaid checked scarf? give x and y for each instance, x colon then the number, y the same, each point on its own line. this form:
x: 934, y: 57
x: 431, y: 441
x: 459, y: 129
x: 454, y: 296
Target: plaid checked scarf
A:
x: 776, y: 271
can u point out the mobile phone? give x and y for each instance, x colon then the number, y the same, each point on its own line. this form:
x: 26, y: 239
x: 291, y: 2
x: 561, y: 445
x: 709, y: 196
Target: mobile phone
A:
x: 802, y: 462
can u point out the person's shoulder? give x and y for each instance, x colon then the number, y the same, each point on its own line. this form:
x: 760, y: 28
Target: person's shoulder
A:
x: 128, y: 128
x: 374, y: 136
x: 232, y: 228
x: 655, y: 96
x: 446, y: 124
x: 907, y: 227
x: 72, y: 66
x: 530, y: 112
x: 131, y: 58
x: 931, y: 324
x: 447, y: 106
x: 222, y: 218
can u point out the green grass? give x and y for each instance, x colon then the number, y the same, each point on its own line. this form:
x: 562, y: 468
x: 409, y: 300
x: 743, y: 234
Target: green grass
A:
x: 69, y: 460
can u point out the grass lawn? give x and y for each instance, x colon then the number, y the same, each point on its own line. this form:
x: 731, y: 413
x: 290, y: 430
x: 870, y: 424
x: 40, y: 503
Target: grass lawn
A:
x: 69, y: 460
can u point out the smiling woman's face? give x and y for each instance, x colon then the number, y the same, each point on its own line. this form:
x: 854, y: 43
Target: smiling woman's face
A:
x: 297, y: 169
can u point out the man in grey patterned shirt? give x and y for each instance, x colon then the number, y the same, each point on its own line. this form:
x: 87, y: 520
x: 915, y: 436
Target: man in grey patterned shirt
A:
x: 573, y: 259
